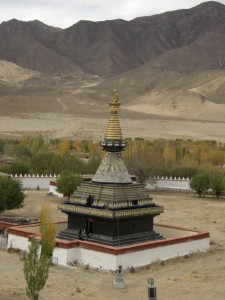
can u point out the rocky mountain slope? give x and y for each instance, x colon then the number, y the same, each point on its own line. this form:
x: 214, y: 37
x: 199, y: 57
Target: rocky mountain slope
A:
x: 171, y: 64
x: 111, y: 47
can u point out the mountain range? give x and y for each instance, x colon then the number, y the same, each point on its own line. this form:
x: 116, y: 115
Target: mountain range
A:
x: 170, y: 64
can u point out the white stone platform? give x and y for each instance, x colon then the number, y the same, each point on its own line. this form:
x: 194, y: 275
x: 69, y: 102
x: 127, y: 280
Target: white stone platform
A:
x: 178, y: 242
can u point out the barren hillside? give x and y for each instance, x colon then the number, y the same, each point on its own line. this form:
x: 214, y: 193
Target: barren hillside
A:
x: 166, y: 67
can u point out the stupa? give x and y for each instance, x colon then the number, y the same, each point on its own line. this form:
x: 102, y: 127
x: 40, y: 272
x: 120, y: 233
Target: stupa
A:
x: 111, y: 209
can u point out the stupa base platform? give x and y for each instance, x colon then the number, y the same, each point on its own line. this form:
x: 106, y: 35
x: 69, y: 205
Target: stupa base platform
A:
x: 177, y: 242
x: 70, y: 234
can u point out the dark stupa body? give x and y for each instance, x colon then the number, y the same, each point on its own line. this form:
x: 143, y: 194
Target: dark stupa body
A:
x: 111, y: 209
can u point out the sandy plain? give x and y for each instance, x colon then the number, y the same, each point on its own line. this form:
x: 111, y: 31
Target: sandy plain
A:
x: 199, y: 276
x: 80, y: 127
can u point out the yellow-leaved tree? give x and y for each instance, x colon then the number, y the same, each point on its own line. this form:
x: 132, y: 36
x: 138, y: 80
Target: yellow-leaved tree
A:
x: 48, y: 231
x: 36, y: 263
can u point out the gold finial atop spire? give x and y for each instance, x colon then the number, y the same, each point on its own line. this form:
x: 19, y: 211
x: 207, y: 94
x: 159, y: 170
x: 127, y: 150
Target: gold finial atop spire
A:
x: 113, y: 131
x: 115, y: 96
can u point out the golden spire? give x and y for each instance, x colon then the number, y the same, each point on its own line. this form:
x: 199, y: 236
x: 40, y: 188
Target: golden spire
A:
x: 113, y: 131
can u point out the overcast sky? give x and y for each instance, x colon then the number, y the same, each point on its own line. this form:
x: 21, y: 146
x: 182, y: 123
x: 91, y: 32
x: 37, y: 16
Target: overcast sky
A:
x: 64, y: 13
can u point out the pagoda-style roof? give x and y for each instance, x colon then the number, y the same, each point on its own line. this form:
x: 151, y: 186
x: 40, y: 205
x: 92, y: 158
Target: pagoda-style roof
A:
x: 112, y: 196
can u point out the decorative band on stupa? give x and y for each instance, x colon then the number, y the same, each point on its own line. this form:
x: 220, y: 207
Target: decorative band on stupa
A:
x: 113, y: 141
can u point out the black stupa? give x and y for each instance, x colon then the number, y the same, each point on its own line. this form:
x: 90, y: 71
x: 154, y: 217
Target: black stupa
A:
x: 111, y: 209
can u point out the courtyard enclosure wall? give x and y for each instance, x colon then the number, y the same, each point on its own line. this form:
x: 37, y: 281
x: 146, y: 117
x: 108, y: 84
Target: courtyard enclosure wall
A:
x: 31, y: 181
x: 140, y: 258
x: 18, y: 242
x: 184, y: 242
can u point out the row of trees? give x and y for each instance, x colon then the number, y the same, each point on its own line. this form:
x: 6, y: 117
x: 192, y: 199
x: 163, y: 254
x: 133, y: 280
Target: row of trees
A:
x: 159, y: 157
x: 174, y: 158
x: 201, y: 183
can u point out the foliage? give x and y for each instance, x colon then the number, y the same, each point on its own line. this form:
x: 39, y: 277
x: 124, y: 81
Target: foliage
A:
x: 217, y: 184
x: 34, y: 143
x: 182, y: 172
x: 36, y: 270
x: 176, y: 158
x: 200, y: 183
x: 1, y: 147
x: 23, y: 150
x: 91, y: 166
x: 41, y: 163
x: 67, y: 183
x: 142, y: 175
x: 19, y: 167
x: 50, y: 163
x: 48, y: 231
x: 37, y: 263
x: 64, y: 147
x: 11, y: 194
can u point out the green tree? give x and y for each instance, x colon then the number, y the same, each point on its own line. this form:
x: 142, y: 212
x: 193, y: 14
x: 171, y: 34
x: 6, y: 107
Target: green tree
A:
x: 67, y: 183
x: 37, y: 263
x: 19, y: 167
x: 182, y: 172
x: 1, y: 147
x: 200, y: 183
x: 36, y: 270
x: 11, y: 194
x: 92, y: 165
x: 217, y: 184
x: 23, y: 150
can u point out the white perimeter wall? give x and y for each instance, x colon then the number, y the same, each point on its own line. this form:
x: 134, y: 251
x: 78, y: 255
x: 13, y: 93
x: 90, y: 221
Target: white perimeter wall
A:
x: 32, y: 181
x: 17, y: 242
x: 133, y: 259
x: 110, y: 261
x: 183, y: 184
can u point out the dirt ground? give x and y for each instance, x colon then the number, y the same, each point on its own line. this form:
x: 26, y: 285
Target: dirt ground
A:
x: 198, y: 276
x: 81, y: 126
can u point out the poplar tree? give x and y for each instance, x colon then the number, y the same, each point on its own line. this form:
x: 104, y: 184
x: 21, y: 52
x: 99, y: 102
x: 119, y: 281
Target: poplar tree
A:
x: 37, y: 261
x: 36, y: 269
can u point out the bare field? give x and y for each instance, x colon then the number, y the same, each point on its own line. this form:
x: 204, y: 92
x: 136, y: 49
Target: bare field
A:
x: 200, y: 276
x: 81, y: 126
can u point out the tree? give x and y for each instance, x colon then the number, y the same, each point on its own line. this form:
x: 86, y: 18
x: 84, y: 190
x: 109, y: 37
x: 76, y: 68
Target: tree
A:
x: 217, y: 184
x: 11, y: 194
x: 143, y: 175
x: 23, y: 150
x: 19, y: 167
x: 47, y: 230
x: 36, y: 269
x: 41, y: 162
x: 64, y: 147
x: 200, y: 183
x: 1, y: 147
x: 37, y: 263
x: 67, y: 183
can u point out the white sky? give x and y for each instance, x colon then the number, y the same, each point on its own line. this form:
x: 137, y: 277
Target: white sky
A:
x: 64, y: 13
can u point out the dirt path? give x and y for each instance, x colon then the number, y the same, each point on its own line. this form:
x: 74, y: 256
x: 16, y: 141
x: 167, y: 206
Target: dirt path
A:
x: 199, y: 276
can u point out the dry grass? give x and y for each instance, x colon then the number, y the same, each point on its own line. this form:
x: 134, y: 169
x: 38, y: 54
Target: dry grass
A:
x: 194, y: 277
